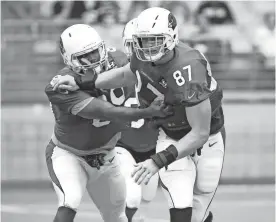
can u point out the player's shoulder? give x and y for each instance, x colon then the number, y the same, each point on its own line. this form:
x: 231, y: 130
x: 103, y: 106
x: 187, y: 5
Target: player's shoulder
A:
x: 60, y: 94
x: 188, y: 56
x: 189, y: 76
x: 62, y: 72
x: 55, y: 96
x: 188, y: 64
x: 118, y: 57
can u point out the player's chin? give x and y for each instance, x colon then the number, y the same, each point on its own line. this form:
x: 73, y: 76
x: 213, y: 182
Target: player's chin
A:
x: 152, y: 56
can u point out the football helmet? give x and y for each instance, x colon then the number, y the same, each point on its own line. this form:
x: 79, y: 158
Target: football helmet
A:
x: 156, y: 34
x: 129, y: 30
x: 82, y: 48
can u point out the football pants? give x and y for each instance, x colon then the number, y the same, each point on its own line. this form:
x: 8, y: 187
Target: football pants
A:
x: 71, y: 175
x: 208, y: 171
x: 177, y: 180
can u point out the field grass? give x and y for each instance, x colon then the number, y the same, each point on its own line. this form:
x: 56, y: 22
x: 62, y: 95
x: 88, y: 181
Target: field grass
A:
x: 231, y: 204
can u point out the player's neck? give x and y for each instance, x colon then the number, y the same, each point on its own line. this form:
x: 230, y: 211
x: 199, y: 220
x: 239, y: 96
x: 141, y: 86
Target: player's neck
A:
x: 166, y: 58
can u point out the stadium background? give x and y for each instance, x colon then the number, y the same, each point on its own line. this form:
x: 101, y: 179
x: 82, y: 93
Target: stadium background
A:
x: 237, y: 38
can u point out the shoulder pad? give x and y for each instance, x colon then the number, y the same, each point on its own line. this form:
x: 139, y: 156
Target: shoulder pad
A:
x: 55, y: 95
x: 48, y: 89
x: 65, y: 101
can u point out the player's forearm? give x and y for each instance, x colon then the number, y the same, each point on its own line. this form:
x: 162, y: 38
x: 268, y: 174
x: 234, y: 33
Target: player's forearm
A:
x: 185, y: 146
x: 190, y: 143
x: 111, y: 79
x: 114, y: 78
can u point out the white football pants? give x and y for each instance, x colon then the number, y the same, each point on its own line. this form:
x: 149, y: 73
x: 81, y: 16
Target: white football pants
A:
x: 135, y: 192
x: 71, y: 175
x: 193, y: 181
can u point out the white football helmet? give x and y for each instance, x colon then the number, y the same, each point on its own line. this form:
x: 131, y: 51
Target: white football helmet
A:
x: 82, y: 48
x: 156, y: 34
x: 129, y: 30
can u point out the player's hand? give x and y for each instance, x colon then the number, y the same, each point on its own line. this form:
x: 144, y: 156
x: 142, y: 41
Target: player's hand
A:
x: 143, y: 171
x: 156, y: 122
x: 159, y: 109
x: 65, y: 82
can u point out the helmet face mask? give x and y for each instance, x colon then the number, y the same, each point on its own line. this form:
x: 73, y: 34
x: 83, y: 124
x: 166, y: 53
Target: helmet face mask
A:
x: 128, y: 45
x: 83, y: 49
x: 91, y: 58
x: 151, y: 47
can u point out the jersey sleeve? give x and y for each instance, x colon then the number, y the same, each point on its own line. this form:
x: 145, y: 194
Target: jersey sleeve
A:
x: 191, y: 83
x: 65, y: 100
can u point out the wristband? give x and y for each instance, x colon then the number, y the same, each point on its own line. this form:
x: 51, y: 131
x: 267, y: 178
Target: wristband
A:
x: 165, y: 157
x: 86, y: 84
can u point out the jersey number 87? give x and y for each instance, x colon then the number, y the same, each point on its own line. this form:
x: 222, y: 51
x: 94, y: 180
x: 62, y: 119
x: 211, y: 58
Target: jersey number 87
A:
x: 179, y: 79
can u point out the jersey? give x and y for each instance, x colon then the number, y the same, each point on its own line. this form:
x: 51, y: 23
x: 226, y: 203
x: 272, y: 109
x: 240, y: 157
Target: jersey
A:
x: 141, y: 137
x: 74, y: 131
x: 184, y: 81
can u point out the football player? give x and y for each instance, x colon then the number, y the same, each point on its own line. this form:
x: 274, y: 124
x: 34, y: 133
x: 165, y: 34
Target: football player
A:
x: 190, y: 147
x: 81, y: 151
x: 136, y: 144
